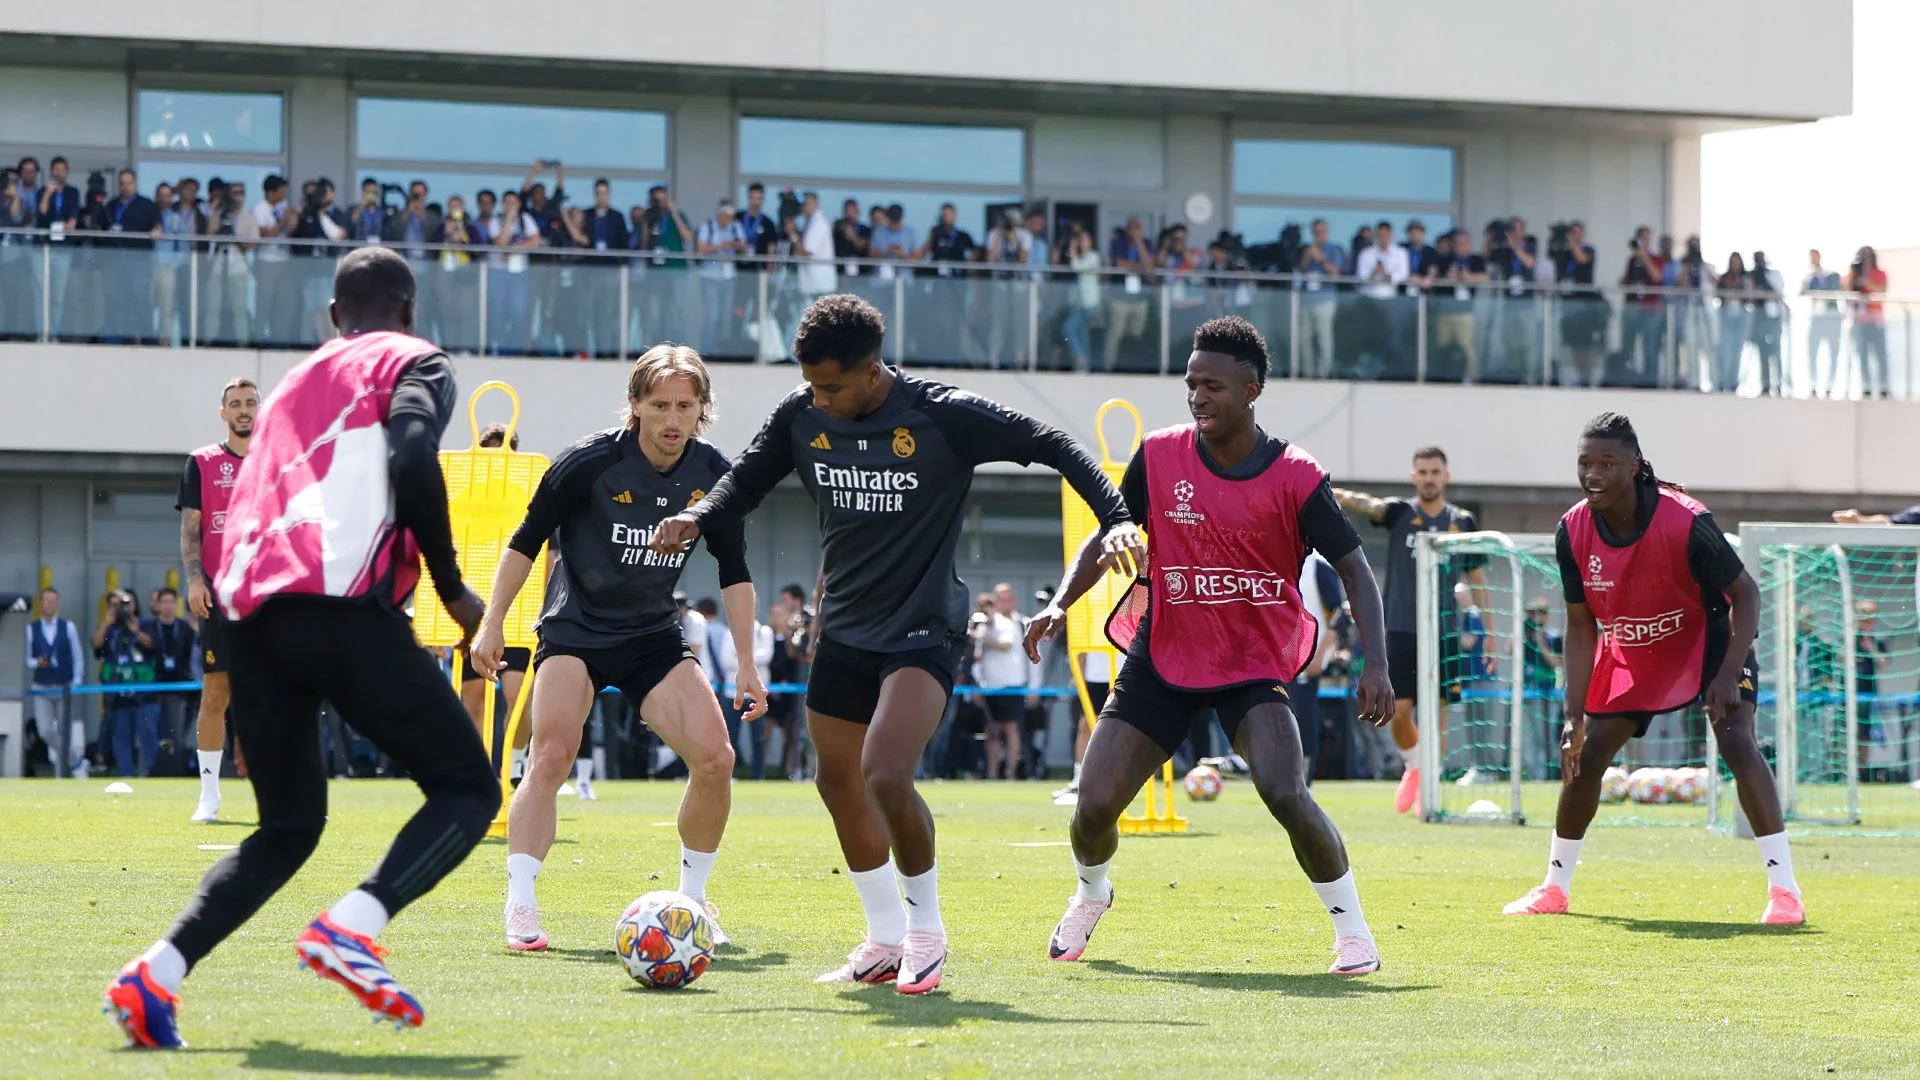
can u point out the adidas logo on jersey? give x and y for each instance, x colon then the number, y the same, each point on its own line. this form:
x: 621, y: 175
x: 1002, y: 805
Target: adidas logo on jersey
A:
x: 820, y: 442
x: 624, y: 497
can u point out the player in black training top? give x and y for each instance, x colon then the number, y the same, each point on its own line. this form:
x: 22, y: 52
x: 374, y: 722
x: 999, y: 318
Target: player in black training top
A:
x: 888, y: 459
x: 610, y: 618
x: 1428, y: 512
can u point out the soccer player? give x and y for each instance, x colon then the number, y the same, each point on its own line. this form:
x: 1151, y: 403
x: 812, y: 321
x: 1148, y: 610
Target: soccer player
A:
x: 1428, y: 512
x: 611, y: 619
x: 1217, y: 623
x: 1660, y: 614
x: 342, y: 486
x: 206, y: 487
x: 888, y: 458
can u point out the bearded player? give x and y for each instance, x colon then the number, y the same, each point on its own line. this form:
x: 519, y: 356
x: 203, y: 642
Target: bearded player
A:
x: 888, y: 458
x: 1218, y: 626
x: 1660, y: 614
x: 206, y: 486
x: 611, y: 619
x: 340, y: 500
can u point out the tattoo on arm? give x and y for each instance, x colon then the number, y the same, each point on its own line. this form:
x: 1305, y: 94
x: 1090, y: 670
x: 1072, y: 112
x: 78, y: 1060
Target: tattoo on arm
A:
x: 190, y: 543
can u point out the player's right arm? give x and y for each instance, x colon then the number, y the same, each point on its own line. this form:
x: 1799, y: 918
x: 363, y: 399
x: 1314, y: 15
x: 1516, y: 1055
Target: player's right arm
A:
x: 1102, y: 550
x: 1371, y: 507
x: 1582, y: 638
x: 199, y: 600
x: 767, y: 461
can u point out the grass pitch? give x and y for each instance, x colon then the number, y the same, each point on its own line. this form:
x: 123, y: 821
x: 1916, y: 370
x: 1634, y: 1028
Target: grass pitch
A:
x: 1211, y: 962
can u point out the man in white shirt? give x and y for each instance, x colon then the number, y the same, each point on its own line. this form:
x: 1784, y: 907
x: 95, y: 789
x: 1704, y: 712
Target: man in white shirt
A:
x: 55, y: 659
x: 813, y: 241
x: 1001, y: 664
x: 719, y: 235
x: 1384, y: 265
x: 278, y: 301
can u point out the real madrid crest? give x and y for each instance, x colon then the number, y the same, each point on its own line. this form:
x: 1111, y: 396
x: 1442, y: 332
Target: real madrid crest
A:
x: 698, y: 494
x: 902, y: 443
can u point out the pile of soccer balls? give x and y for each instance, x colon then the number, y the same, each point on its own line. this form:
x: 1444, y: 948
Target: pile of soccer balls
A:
x: 1654, y: 786
x: 1203, y: 783
x: 665, y: 939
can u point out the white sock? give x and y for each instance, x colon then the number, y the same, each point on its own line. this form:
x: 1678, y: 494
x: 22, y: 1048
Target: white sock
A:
x: 210, y: 775
x: 1076, y: 774
x: 168, y: 967
x: 1093, y: 881
x: 880, y: 899
x: 1563, y: 856
x: 583, y: 770
x: 923, y: 901
x: 519, y: 764
x: 521, y: 870
x: 1341, y: 898
x: 694, y: 868
x: 1779, y: 861
x: 359, y: 912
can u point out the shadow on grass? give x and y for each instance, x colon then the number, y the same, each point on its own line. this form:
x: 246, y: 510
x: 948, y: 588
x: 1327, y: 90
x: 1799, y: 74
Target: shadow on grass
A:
x: 1696, y: 929
x: 278, y: 1056
x: 727, y: 957
x: 890, y: 1008
x: 584, y: 956
x: 1292, y: 985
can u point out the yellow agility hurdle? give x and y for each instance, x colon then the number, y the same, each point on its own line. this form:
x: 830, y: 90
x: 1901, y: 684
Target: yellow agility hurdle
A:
x: 1086, y: 621
x: 487, y: 493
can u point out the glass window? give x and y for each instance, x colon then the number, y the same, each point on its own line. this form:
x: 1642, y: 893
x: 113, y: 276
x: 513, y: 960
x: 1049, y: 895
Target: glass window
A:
x: 443, y: 184
x: 1262, y: 224
x: 1342, y: 170
x: 897, y: 153
x: 411, y: 129
x: 209, y: 122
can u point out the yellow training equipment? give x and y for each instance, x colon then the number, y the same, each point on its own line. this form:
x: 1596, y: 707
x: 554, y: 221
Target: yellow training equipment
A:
x: 1086, y: 621
x: 487, y: 493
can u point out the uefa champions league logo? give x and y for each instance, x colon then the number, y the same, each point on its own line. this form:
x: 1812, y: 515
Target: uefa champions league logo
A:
x: 1176, y: 582
x: 226, y: 470
x: 1183, y: 493
x: 1593, y: 565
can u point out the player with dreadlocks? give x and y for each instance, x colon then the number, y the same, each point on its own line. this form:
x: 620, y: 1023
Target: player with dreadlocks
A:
x: 1660, y: 614
x: 1217, y: 625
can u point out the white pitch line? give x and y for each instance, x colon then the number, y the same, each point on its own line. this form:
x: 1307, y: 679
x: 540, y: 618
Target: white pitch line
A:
x: 1046, y: 843
x: 218, y: 847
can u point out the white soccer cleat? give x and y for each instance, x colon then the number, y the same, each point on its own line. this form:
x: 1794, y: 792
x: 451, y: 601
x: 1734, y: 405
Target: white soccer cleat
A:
x: 713, y: 916
x: 1354, y: 956
x: 923, y: 962
x: 869, y: 962
x: 1076, y: 927
x: 584, y: 788
x: 523, y: 929
x: 207, y: 813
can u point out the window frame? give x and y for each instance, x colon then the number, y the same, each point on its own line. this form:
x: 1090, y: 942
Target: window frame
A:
x: 197, y: 163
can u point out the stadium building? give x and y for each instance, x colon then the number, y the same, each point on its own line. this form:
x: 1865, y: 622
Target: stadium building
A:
x: 1235, y: 116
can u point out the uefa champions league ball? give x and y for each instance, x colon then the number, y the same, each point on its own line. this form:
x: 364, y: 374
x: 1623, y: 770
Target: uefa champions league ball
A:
x: 1203, y: 783
x: 1689, y: 785
x: 1613, y: 785
x: 1649, y: 785
x: 665, y: 939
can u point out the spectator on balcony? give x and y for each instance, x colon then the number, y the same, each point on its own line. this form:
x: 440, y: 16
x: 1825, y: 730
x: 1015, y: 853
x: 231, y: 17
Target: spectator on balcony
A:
x: 1735, y: 319
x: 534, y: 198
x: 606, y: 230
x: 27, y: 175
x: 368, y: 221
x: 563, y: 324
x: 1452, y: 279
x: 517, y: 234
x: 126, y: 276
x: 1420, y: 254
x: 1039, y: 249
x: 320, y: 220
x: 1383, y: 266
x: 1695, y: 278
x: 850, y: 237
x: 1376, y: 319
x: 1643, y: 317
x: 1584, y: 313
x: 813, y: 241
x: 60, y: 209
x: 949, y: 330
x: 178, y: 218
x: 19, y: 269
x: 1127, y: 313
x: 897, y: 241
x: 274, y: 220
x: 1362, y: 240
x: 1084, y: 260
x: 1320, y: 259
x: 1767, y: 317
x: 459, y: 286
x: 223, y: 311
x: 1008, y: 245
x: 1823, y: 327
x: 720, y: 236
x: 1866, y: 280
x: 763, y: 238
x: 664, y: 231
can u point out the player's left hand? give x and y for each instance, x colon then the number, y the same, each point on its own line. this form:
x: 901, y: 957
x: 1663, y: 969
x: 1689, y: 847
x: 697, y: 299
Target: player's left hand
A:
x: 1042, y: 627
x: 1723, y: 696
x: 1125, y: 549
x: 675, y: 534
x: 1374, y: 695
x: 750, y: 694
x: 466, y: 610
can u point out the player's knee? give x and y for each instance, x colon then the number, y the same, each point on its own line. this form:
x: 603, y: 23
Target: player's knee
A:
x: 710, y: 761
x: 1286, y: 797
x: 292, y: 840
x: 889, y: 782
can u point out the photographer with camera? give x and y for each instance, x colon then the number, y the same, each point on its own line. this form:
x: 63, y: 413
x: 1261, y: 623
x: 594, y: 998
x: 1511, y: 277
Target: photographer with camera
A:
x: 319, y: 219
x: 223, y: 309
x: 278, y: 302
x: 368, y: 222
x: 124, y: 646
x: 1321, y: 259
x: 1585, y: 313
x: 1643, y: 319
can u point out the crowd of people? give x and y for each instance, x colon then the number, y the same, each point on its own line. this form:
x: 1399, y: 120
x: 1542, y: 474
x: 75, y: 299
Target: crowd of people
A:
x: 697, y: 278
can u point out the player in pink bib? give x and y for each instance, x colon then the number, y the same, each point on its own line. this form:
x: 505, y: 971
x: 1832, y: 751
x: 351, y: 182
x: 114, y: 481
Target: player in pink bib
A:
x: 1660, y: 614
x: 1217, y: 625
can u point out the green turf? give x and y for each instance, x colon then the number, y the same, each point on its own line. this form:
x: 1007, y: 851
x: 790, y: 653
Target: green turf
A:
x: 1211, y: 963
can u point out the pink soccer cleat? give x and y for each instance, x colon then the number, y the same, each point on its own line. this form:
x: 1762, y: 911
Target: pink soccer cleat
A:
x: 523, y: 929
x: 869, y: 962
x: 1354, y: 956
x: 1407, y: 795
x: 1070, y: 938
x: 1783, y: 908
x: 923, y: 961
x: 1540, y: 900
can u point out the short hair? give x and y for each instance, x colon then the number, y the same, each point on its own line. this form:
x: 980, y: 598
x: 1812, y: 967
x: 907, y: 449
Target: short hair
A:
x: 1383, y: 224
x: 1416, y: 223
x: 369, y: 182
x: 495, y: 434
x: 1235, y: 337
x: 1316, y: 223
x: 57, y: 159
x: 45, y: 589
x: 28, y: 160
x: 602, y: 183
x: 165, y: 591
x: 484, y: 193
x: 1430, y: 452
x: 274, y: 182
x: 236, y: 383
x: 371, y: 281
x: 656, y: 187
x: 793, y: 589
x: 946, y: 206
x: 126, y: 172
x: 841, y: 327
x: 756, y: 186
x: 422, y: 184
x: 665, y: 361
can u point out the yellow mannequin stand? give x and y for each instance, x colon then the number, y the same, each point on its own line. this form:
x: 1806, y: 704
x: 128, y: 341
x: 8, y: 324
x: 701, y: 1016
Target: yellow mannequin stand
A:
x: 1086, y: 622
x: 487, y: 493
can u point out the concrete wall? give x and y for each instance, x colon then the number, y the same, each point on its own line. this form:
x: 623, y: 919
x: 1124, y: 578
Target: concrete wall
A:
x: 1516, y: 437
x: 1712, y: 57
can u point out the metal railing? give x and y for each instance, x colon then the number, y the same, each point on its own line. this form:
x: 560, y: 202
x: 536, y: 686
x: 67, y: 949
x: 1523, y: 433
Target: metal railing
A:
x: 202, y: 292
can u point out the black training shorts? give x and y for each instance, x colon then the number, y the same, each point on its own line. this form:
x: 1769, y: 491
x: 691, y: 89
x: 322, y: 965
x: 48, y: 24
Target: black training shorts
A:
x: 845, y: 682
x: 1142, y: 700
x: 213, y: 642
x: 517, y: 660
x: 1403, y: 667
x: 1716, y: 654
x: 634, y: 666
x: 1006, y: 708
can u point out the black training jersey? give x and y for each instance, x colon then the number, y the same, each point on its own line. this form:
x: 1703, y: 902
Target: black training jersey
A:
x: 1403, y: 520
x: 604, y: 498
x: 891, y: 488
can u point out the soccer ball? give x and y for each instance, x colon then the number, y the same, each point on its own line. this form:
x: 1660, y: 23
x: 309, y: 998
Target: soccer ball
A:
x: 1649, y: 785
x: 1613, y: 785
x: 1203, y: 783
x: 1690, y: 785
x: 665, y: 939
